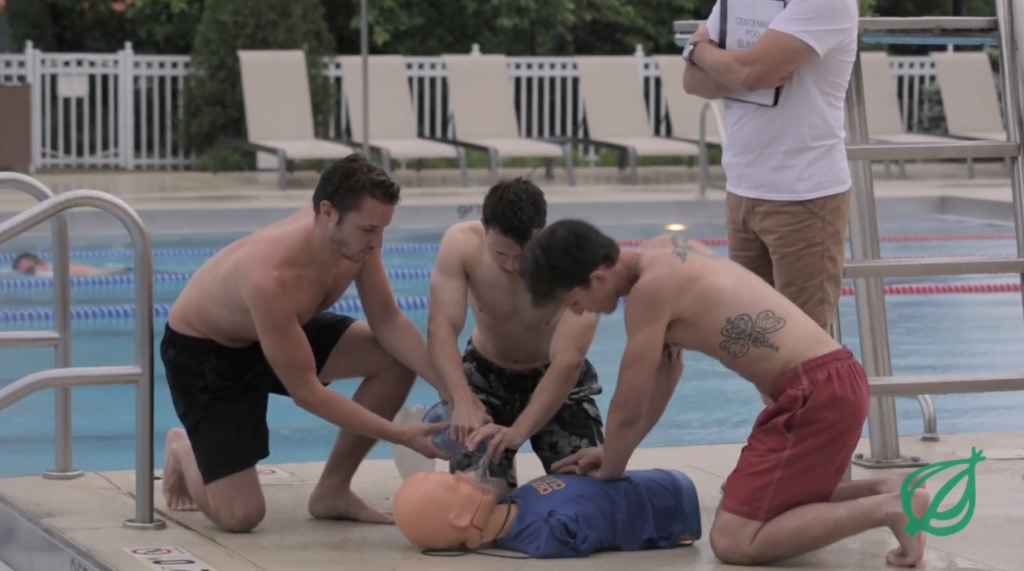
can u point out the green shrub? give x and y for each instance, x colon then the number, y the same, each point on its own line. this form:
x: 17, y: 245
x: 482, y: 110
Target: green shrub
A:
x: 213, y: 91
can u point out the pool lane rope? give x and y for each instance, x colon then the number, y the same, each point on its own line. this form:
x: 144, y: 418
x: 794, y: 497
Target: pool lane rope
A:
x: 421, y: 303
x: 8, y: 257
x: 400, y: 274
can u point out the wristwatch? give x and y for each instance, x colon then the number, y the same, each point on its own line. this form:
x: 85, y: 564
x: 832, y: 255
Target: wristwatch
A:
x: 688, y: 50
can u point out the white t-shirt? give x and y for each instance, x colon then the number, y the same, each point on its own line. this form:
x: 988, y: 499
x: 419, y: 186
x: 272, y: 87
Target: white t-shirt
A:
x: 796, y: 150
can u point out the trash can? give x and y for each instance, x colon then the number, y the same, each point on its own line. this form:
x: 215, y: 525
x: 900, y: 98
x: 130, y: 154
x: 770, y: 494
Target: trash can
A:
x: 15, y: 127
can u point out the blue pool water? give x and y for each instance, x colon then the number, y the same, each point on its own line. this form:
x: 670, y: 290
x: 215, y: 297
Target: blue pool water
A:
x: 948, y: 333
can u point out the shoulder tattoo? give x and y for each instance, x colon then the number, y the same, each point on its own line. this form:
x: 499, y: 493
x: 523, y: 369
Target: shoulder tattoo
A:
x: 683, y: 247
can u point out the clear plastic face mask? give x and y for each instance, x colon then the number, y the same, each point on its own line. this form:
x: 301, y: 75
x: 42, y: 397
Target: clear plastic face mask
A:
x: 480, y: 473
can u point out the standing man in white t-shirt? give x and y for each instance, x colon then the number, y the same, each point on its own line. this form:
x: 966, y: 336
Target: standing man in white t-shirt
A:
x: 788, y: 178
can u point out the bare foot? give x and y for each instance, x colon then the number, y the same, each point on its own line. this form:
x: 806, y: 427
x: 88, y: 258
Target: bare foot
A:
x: 344, y: 505
x: 175, y: 489
x: 911, y: 549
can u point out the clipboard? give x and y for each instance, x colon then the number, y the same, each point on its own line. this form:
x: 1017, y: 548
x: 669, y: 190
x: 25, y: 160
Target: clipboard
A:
x: 750, y: 18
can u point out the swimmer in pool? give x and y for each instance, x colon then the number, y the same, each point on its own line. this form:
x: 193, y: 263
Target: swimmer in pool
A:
x: 251, y: 321
x: 554, y: 516
x: 32, y: 265
x: 523, y: 375
x: 785, y: 496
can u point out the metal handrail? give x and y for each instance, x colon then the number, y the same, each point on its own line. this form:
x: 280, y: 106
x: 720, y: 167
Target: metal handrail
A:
x: 141, y: 374
x: 871, y: 313
x: 61, y: 340
x: 702, y: 142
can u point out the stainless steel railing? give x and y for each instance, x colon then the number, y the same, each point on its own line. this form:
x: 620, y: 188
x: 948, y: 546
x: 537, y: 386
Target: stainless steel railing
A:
x: 60, y: 337
x: 702, y: 142
x: 867, y: 268
x: 62, y: 378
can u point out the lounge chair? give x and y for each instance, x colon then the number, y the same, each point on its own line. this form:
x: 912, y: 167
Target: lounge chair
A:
x: 885, y: 123
x: 484, y: 114
x: 393, y: 129
x: 969, y: 98
x: 616, y: 112
x: 684, y: 111
x: 279, y: 112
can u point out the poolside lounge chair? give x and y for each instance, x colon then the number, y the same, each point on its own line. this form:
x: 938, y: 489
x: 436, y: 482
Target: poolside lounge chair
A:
x: 484, y: 114
x: 885, y: 123
x: 616, y: 112
x: 393, y: 130
x: 279, y: 112
x: 684, y: 111
x: 969, y: 100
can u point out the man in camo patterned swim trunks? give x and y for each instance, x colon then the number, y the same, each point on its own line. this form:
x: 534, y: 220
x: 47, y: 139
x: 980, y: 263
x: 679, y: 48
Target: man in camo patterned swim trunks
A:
x: 524, y: 373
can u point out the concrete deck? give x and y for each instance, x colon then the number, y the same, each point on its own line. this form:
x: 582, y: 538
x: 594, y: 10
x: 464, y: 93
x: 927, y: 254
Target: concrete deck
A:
x: 174, y: 189
x: 89, y: 511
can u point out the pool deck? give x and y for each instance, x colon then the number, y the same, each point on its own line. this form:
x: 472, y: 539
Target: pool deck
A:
x: 89, y: 512
x: 173, y: 190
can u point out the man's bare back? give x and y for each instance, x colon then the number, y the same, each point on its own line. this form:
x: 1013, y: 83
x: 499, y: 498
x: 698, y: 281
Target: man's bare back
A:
x: 509, y: 330
x: 725, y: 312
x: 785, y: 497
x: 213, y: 305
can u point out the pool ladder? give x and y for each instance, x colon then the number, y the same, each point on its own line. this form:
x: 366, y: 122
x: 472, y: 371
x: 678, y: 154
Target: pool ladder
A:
x: 62, y: 377
x: 867, y: 268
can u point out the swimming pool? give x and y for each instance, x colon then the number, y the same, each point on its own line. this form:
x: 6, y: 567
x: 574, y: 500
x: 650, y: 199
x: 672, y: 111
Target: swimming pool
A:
x: 950, y: 333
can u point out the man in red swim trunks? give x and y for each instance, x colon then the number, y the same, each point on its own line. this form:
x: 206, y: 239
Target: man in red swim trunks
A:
x: 785, y: 497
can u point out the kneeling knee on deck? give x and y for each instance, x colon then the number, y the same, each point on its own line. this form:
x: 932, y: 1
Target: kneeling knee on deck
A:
x: 238, y: 515
x: 732, y: 547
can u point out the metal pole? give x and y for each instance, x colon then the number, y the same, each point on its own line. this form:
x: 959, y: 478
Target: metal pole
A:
x: 871, y: 316
x: 1011, y: 57
x: 62, y: 469
x: 143, y: 264
x: 364, y: 47
x: 63, y: 466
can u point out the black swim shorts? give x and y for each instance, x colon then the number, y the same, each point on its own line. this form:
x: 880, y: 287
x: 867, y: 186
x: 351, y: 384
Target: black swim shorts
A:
x: 221, y: 393
x: 505, y: 393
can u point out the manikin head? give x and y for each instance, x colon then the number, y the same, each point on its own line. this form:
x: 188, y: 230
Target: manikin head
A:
x: 513, y: 212
x: 29, y: 264
x: 574, y: 264
x: 442, y: 511
x: 354, y: 201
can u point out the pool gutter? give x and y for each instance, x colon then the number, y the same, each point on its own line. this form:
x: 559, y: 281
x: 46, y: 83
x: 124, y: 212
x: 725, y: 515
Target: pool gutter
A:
x: 29, y: 545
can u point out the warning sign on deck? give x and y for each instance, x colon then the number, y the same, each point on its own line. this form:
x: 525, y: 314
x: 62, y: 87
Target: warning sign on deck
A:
x: 169, y: 559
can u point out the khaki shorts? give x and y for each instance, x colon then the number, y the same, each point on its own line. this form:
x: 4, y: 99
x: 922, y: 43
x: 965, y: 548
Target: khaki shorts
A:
x: 797, y: 246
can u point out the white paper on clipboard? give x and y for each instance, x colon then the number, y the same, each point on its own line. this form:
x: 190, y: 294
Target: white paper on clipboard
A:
x: 742, y: 23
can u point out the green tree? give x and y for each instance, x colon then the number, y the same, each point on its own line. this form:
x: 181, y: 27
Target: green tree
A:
x: 514, y: 27
x: 213, y: 97
x: 164, y: 26
x: 66, y: 25
x: 30, y: 20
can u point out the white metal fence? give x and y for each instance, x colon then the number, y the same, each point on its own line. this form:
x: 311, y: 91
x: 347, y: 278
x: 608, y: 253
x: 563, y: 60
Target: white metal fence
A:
x: 124, y: 110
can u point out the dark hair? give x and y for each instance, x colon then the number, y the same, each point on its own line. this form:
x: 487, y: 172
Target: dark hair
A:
x: 26, y: 256
x: 562, y: 257
x: 349, y: 180
x: 516, y: 209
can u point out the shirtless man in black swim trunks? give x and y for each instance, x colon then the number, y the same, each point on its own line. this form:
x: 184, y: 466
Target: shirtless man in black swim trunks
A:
x: 252, y: 321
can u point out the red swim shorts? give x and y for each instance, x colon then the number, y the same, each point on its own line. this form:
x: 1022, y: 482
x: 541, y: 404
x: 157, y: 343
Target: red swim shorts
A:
x: 801, y: 444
